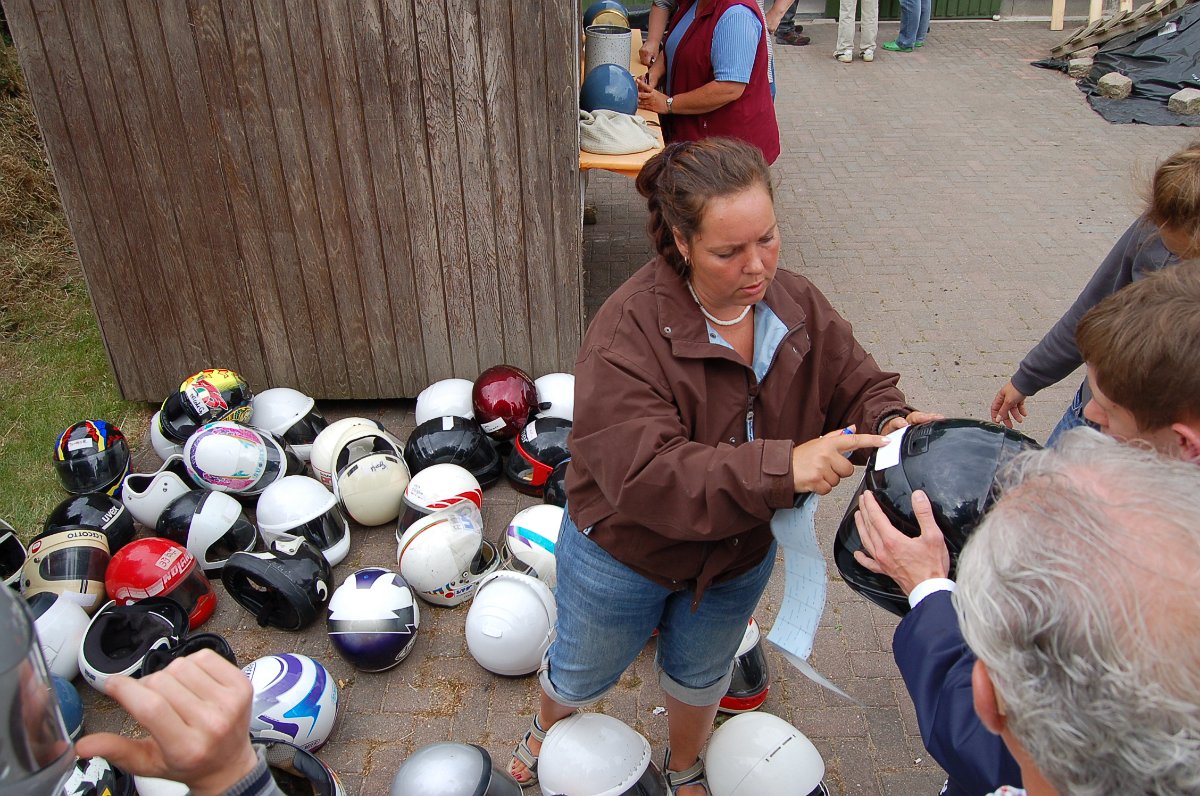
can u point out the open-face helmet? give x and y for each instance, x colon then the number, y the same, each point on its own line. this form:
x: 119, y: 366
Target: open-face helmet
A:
x: 539, y: 448
x: 531, y: 540
x: 91, y: 456
x: 161, y: 657
x: 120, y: 636
x: 504, y: 399
x: 443, y: 556
x: 296, y: 770
x: 555, y: 492
x: 370, y: 476
x: 757, y: 753
x: 955, y: 462
x: 205, y: 397
x: 452, y: 769
x: 453, y: 440
x: 556, y: 395
x: 94, y: 510
x: 12, y: 556
x: 299, y: 506
x: 70, y: 562
x: 96, y: 776
x: 284, y: 587
x: 147, y: 495
x: 511, y: 623
x: 60, y: 624
x: 608, y: 87
x: 295, y: 700
x: 165, y: 448
x: 157, y: 567
x: 290, y: 415
x: 438, y: 486
x: 211, y: 525
x: 751, y: 674
x: 448, y: 397
x: 324, y: 448
x: 230, y: 457
x: 591, y: 754
x: 373, y: 619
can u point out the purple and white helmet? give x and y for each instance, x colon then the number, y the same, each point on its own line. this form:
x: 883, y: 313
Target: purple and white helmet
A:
x: 295, y: 700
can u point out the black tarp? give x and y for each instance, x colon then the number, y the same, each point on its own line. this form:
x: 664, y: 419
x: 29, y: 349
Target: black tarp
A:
x: 1160, y: 59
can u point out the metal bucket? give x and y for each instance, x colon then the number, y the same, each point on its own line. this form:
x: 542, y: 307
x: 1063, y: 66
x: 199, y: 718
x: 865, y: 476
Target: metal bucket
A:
x: 607, y: 44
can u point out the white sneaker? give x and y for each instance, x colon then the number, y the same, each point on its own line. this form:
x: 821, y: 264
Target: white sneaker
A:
x: 845, y: 56
x: 868, y: 54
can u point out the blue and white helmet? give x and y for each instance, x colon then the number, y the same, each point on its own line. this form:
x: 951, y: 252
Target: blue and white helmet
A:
x: 531, y: 540
x: 295, y: 700
x: 373, y: 619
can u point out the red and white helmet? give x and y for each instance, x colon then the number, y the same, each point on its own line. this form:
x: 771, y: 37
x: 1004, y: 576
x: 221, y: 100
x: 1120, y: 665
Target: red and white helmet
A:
x: 530, y: 542
x: 156, y: 567
x: 511, y: 623
x: 751, y: 674
x: 443, y: 556
x: 369, y: 475
x: 504, y: 399
x: 322, y: 454
x: 438, y: 486
x: 556, y: 395
x: 448, y: 397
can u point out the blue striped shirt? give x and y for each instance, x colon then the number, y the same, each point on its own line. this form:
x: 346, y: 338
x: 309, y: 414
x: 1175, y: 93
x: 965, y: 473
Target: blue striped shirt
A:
x: 734, y: 45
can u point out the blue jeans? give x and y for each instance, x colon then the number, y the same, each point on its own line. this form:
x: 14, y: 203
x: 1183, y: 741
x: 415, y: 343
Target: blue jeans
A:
x: 606, y: 613
x: 914, y: 21
x: 1072, y: 418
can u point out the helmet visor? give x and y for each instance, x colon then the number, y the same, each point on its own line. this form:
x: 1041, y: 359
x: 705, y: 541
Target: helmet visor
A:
x: 191, y: 590
x: 75, y: 563
x: 502, y: 784
x: 324, y: 531
x: 305, y: 430
x: 240, y: 538
x: 12, y: 555
x: 298, y: 771
x: 95, y: 471
x: 650, y: 783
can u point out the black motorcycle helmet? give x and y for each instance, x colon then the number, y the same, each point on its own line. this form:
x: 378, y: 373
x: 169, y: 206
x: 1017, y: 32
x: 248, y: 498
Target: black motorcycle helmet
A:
x: 751, y: 674
x: 121, y: 636
x: 211, y: 525
x: 540, y: 446
x: 285, y: 587
x: 556, y: 485
x: 12, y: 556
x: 160, y: 658
x: 205, y: 397
x: 955, y: 463
x: 91, y: 456
x: 453, y: 440
x: 94, y: 510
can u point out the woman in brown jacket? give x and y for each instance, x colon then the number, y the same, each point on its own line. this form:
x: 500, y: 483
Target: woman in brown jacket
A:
x: 710, y: 391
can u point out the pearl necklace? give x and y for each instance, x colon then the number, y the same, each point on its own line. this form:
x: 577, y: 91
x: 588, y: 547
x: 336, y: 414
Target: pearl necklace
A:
x: 713, y: 318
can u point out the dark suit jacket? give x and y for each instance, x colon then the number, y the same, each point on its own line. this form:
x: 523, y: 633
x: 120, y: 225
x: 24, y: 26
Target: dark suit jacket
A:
x: 936, y: 665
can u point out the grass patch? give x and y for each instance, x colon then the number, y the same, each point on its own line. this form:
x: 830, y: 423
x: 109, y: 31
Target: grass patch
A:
x: 53, y: 369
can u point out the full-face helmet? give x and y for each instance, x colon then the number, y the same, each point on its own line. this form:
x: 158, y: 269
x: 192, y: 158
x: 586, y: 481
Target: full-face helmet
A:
x: 70, y: 562
x: 453, y: 440
x: 162, y: 657
x: 448, y: 397
x: 94, y: 510
x: 295, y: 700
x: 120, y: 636
x: 324, y: 449
x: 60, y: 624
x: 556, y: 395
x: 299, y: 506
x: 96, y: 776
x: 452, y: 769
x: 230, y: 457
x: 164, y: 447
x: 147, y: 495
x: 444, y: 556
x: 591, y: 754
x: 556, y: 485
x: 955, y: 462
x: 205, y: 397
x: 757, y: 753
x: 438, y: 486
x: 285, y: 587
x: 211, y: 525
x: 296, y: 770
x: 751, y: 674
x: 511, y: 623
x: 91, y: 456
x: 504, y: 399
x: 370, y: 476
x: 290, y: 415
x: 531, y: 540
x: 12, y: 556
x: 373, y: 619
x: 157, y: 567
x: 539, y: 448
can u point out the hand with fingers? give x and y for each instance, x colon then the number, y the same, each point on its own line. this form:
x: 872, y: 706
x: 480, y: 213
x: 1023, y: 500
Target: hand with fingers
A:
x: 913, y: 418
x: 197, y: 714
x: 888, y: 551
x: 819, y: 464
x: 1008, y: 406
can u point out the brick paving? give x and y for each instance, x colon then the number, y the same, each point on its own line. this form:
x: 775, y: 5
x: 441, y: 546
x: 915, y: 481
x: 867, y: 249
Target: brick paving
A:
x: 950, y: 202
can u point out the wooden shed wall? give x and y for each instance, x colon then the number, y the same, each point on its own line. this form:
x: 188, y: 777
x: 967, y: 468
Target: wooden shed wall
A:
x: 350, y: 197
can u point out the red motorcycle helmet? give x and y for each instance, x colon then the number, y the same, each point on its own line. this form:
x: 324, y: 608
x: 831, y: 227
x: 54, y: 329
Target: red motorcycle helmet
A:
x: 157, y: 567
x: 504, y: 397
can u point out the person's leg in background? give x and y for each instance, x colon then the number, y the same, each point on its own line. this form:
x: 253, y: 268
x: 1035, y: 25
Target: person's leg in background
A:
x: 844, y: 51
x: 923, y: 25
x: 910, y: 19
x: 868, y: 28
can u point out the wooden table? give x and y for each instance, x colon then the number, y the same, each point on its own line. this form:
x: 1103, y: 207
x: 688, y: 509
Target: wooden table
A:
x: 629, y: 165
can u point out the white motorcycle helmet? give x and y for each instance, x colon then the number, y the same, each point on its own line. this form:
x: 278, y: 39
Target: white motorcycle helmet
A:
x: 452, y: 769
x: 437, y: 487
x: 147, y: 495
x: 295, y: 700
x: 370, y: 476
x: 757, y: 753
x: 164, y: 447
x: 300, y: 506
x: 530, y: 542
x: 556, y: 395
x: 590, y: 754
x: 211, y: 525
x: 290, y: 415
x: 229, y: 457
x: 60, y: 625
x: 444, y: 556
x: 324, y: 447
x: 511, y: 623
x: 448, y: 397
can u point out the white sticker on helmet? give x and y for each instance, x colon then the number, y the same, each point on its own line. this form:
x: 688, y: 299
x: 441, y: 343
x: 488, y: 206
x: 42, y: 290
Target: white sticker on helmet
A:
x: 447, y: 422
x: 493, y: 426
x: 79, y: 444
x: 889, y: 455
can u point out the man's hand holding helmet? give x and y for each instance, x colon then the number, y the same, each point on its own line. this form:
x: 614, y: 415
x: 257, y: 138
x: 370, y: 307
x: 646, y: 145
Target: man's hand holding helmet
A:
x: 904, y: 559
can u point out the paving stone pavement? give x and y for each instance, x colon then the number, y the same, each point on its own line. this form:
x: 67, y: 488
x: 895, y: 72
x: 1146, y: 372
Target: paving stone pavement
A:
x: 950, y: 202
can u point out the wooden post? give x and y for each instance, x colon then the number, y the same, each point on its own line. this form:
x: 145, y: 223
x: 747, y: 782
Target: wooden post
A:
x: 1058, y: 10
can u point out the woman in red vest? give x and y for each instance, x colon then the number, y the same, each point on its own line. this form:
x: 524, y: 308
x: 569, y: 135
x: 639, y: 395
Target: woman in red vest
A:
x: 714, y: 78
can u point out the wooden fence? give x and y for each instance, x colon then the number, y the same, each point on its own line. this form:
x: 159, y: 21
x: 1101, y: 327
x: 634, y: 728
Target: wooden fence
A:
x: 349, y: 197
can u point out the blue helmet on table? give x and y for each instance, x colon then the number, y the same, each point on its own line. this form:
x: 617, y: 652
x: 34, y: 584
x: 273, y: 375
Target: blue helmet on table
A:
x: 610, y: 87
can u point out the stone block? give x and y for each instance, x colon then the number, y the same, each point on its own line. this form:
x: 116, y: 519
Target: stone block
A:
x: 1079, y: 67
x: 1086, y: 52
x: 1186, y: 101
x: 1114, y: 85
